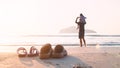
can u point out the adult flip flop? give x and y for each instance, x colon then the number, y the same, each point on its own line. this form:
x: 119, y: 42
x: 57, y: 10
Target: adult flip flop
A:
x: 46, y: 51
x: 22, y: 52
x: 59, y: 52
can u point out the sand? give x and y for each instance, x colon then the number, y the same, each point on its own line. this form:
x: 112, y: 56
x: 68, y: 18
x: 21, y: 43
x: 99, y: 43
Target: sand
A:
x: 96, y: 57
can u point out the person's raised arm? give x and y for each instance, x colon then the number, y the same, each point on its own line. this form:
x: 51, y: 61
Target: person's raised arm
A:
x: 77, y: 19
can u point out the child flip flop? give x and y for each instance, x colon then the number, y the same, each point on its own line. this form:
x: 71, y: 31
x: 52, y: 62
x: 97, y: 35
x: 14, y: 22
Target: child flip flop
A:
x: 22, y: 52
x: 33, y: 52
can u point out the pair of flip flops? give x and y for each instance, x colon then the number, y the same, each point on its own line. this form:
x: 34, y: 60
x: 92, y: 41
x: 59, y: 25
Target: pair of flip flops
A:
x: 22, y: 52
x: 47, y: 52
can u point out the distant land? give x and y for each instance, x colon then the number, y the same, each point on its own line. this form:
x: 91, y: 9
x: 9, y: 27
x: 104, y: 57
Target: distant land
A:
x: 72, y: 29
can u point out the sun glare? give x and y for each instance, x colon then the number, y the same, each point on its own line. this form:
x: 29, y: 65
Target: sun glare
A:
x: 97, y: 46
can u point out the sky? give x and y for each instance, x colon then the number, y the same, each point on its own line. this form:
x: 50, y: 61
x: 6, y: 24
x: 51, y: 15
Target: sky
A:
x: 26, y: 17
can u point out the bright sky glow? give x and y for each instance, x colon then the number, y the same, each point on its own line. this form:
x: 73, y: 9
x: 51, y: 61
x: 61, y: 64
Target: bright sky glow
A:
x: 49, y: 16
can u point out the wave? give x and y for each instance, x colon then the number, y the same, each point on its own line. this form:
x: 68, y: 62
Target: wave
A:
x: 69, y: 35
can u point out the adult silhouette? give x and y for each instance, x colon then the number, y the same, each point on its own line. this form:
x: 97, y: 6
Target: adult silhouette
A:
x: 80, y: 21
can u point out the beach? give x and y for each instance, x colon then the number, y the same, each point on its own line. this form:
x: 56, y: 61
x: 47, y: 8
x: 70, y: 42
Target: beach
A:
x: 91, y: 56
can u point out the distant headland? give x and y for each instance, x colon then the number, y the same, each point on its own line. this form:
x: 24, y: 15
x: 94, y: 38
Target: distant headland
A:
x: 72, y: 29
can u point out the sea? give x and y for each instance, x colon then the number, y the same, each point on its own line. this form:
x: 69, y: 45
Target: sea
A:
x: 70, y: 39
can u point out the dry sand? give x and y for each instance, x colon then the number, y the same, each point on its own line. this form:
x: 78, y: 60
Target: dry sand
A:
x: 97, y: 57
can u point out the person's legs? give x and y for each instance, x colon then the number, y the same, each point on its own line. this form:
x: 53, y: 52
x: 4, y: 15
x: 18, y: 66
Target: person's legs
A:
x: 83, y: 34
x: 80, y: 35
x: 84, y: 42
x: 80, y: 42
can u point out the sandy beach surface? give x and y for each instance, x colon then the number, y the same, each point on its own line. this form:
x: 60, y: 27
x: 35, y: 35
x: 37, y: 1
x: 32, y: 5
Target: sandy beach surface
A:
x: 91, y: 56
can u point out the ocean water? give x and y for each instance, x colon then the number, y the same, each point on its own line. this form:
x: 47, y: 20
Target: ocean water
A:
x: 66, y: 39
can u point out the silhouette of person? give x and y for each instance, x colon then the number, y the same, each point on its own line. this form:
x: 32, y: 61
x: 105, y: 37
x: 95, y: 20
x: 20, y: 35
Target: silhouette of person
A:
x: 80, y: 21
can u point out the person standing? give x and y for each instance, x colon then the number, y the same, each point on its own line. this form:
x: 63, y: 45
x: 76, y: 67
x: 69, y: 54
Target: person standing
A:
x: 80, y: 21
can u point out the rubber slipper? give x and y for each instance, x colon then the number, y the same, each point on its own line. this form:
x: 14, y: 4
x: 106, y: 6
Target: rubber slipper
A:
x: 45, y: 51
x: 22, y: 52
x: 33, y: 52
x: 59, y: 52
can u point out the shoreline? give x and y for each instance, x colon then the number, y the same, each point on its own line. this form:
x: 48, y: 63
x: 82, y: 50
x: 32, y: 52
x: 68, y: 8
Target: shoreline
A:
x: 30, y: 44
x: 9, y: 48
